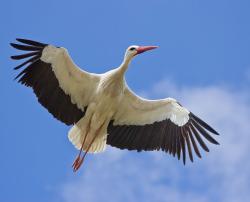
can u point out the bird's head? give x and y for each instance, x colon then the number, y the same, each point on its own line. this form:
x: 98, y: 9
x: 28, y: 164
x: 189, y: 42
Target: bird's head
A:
x: 136, y: 50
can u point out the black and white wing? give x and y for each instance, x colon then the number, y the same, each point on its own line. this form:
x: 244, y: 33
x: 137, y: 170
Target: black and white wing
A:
x: 60, y: 86
x: 142, y: 124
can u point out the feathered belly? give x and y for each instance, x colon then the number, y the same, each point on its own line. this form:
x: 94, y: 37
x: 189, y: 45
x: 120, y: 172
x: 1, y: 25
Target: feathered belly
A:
x: 94, y: 125
x: 106, y: 106
x: 95, y: 122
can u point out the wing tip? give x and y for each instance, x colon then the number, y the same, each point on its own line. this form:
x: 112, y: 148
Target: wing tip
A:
x: 216, y: 133
x: 20, y: 39
x: 27, y: 44
x: 204, y: 124
x: 217, y: 143
x: 13, y: 45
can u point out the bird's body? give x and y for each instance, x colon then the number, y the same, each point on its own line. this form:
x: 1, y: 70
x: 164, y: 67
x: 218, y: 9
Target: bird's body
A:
x: 102, y: 108
x: 100, y: 111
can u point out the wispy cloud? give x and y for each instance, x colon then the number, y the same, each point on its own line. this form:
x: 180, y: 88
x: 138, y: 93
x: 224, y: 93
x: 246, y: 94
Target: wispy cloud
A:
x: 222, y: 175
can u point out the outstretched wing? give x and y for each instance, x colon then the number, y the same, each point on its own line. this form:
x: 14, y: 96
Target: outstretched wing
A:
x: 142, y: 124
x: 60, y: 86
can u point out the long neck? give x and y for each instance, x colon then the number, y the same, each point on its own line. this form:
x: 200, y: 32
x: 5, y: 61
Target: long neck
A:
x: 125, y: 63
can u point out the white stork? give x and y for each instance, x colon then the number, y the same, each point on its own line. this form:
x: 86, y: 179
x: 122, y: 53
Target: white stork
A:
x: 104, y: 110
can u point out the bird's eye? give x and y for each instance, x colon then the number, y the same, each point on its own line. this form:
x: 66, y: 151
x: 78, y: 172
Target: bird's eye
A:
x: 133, y: 48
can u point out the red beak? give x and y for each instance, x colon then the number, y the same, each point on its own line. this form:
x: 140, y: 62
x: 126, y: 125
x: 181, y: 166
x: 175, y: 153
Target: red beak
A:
x: 142, y: 49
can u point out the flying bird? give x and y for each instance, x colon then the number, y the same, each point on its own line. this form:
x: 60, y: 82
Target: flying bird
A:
x: 103, y: 110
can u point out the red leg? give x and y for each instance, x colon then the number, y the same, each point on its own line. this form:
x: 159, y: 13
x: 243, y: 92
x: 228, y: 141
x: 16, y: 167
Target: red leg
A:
x: 79, y: 160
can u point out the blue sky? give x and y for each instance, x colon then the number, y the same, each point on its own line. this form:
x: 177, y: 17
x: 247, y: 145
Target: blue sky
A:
x: 203, y: 60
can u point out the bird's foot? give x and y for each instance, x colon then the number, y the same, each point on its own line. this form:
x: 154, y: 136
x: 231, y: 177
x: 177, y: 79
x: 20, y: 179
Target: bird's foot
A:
x: 79, y: 160
x: 77, y: 163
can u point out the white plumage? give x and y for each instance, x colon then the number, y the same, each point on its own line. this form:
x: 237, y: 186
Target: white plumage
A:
x: 135, y: 110
x: 80, y: 85
x: 102, y: 108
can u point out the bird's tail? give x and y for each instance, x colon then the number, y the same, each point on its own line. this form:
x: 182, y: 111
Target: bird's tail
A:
x: 76, y: 136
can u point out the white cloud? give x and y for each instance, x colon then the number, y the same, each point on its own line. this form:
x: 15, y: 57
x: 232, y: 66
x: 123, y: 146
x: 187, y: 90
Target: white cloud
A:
x: 222, y: 175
